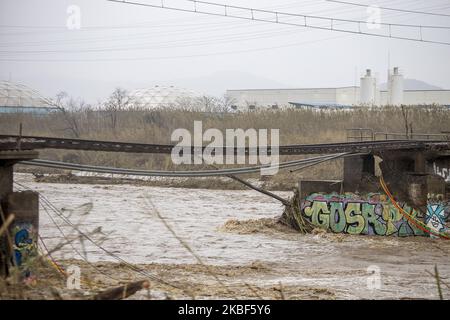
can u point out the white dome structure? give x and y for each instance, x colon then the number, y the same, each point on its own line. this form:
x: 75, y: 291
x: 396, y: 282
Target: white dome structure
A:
x: 15, y: 97
x: 162, y: 96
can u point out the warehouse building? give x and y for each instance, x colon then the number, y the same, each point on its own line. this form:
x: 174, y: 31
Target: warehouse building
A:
x: 367, y: 94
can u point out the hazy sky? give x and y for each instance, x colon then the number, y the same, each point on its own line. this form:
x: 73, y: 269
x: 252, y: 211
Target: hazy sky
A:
x: 134, y: 46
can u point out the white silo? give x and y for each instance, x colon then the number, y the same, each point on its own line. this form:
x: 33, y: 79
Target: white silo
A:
x: 368, y: 90
x: 395, y: 88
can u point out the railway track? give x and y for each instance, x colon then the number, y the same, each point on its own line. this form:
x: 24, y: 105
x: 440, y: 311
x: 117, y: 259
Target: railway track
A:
x: 15, y: 142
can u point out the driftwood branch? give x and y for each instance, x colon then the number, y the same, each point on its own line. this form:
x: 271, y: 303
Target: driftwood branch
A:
x: 122, y: 292
x: 6, y: 224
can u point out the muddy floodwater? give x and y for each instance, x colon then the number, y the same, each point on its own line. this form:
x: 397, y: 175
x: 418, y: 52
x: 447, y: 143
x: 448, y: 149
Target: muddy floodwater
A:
x: 323, y: 265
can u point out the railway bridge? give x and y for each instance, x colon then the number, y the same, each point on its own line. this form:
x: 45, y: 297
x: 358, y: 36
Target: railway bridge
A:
x: 426, y: 154
x: 416, y: 169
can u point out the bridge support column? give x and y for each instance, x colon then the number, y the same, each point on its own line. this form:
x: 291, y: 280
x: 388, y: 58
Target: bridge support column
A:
x: 6, y: 180
x: 24, y: 230
x: 410, y: 179
x: 356, y: 168
x: 420, y: 162
x: 17, y: 242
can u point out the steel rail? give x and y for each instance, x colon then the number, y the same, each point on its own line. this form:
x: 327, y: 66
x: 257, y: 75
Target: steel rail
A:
x: 13, y: 142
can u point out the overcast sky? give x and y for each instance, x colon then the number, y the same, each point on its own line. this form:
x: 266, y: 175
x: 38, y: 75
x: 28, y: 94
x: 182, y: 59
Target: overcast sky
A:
x: 135, y: 46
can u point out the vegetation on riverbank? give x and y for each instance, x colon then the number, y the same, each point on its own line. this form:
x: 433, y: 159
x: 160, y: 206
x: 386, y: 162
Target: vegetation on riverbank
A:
x: 303, y: 126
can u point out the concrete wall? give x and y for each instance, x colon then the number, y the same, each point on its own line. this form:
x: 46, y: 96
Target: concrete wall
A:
x: 23, y: 232
x: 441, y: 167
x: 357, y: 170
x: 307, y: 187
x: 6, y: 180
x: 371, y: 214
x: 19, y: 244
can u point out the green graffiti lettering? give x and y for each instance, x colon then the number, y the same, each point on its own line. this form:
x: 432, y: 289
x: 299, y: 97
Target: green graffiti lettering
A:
x: 390, y: 215
x: 352, y: 214
x: 308, y: 211
x: 319, y: 213
x: 337, y: 213
x: 371, y: 219
x: 416, y: 230
x: 354, y: 218
x: 321, y: 216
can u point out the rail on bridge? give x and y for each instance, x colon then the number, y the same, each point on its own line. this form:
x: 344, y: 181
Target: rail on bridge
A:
x: 367, y: 134
x: 18, y: 142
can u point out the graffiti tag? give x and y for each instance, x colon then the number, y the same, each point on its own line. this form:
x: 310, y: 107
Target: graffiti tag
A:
x: 443, y: 172
x: 25, y: 246
x: 435, y: 218
x: 374, y: 215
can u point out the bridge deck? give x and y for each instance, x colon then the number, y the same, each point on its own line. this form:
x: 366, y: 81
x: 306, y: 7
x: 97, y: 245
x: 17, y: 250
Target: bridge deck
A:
x: 14, y: 142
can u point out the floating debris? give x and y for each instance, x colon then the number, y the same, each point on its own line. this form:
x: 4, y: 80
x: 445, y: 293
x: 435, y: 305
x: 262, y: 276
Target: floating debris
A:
x: 293, y: 217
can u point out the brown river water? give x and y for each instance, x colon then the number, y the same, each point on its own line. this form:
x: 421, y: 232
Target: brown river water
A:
x: 328, y: 265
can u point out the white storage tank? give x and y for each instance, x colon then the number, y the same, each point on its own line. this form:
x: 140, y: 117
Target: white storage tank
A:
x: 368, y: 90
x: 395, y: 88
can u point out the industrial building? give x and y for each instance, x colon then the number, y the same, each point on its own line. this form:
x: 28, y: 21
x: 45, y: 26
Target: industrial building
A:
x: 15, y: 98
x: 367, y: 94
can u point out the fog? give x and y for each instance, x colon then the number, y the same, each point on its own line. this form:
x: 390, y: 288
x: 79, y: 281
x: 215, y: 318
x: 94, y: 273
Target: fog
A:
x: 129, y: 46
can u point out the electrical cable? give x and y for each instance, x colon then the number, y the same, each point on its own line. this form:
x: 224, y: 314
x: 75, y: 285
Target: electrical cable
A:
x: 391, y: 9
x: 189, y: 173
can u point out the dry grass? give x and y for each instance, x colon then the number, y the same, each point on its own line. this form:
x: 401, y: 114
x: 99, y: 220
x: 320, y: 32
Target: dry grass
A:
x: 156, y: 126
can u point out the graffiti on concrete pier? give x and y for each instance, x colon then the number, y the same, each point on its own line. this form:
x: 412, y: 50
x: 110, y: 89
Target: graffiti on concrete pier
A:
x: 373, y: 214
x: 442, y: 169
x: 435, y: 217
x: 25, y: 246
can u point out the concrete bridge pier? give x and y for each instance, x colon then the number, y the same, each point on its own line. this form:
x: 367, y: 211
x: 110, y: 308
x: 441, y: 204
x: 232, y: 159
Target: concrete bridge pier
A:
x: 407, y: 173
x: 358, y: 205
x: 19, y: 244
x: 359, y: 172
x: 420, y: 162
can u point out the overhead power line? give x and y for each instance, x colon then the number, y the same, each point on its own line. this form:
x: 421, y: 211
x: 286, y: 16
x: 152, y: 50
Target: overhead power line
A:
x: 157, y: 33
x: 391, y: 9
x: 166, y: 57
x: 280, y: 13
x: 280, y: 18
x: 186, y: 42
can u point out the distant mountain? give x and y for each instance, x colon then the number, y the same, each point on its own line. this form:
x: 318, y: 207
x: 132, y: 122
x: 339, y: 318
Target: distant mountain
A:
x: 413, y: 84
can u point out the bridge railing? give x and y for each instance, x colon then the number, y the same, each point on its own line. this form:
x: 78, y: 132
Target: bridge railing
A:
x: 367, y: 134
x: 360, y: 134
x: 411, y: 136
